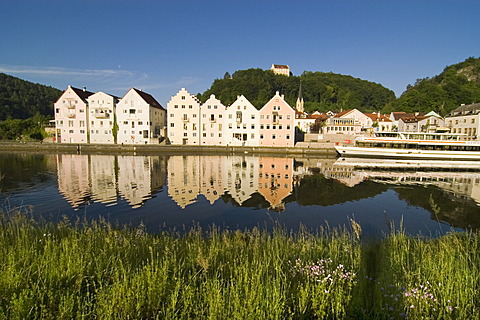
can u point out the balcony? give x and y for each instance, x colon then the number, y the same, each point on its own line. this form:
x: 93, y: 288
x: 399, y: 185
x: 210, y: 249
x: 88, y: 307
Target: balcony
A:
x: 71, y: 115
x: 102, y: 115
x: 186, y: 119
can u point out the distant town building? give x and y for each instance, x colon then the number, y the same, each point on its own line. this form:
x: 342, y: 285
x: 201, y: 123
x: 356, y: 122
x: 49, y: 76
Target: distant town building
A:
x: 348, y: 122
x: 281, y: 69
x: 430, y: 122
x: 465, y: 120
x: 380, y: 122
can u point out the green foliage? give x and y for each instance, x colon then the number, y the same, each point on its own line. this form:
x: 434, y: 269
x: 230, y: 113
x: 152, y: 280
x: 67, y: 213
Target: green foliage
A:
x: 457, y: 84
x: 321, y: 91
x: 20, y: 99
x: 25, y: 130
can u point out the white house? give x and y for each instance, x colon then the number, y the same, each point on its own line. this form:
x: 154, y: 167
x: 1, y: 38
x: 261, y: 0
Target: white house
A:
x: 184, y: 118
x: 101, y: 115
x: 242, y: 123
x: 141, y: 119
x: 212, y: 122
x: 348, y: 122
x: 71, y: 116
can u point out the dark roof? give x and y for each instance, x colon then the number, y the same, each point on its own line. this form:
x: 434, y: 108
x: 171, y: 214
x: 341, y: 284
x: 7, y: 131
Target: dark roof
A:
x: 281, y: 66
x: 466, y: 109
x: 149, y: 99
x: 82, y: 93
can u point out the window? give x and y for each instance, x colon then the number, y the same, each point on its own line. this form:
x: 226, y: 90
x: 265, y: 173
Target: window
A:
x: 288, y: 137
x: 132, y: 111
x: 140, y: 123
x: 70, y: 123
x: 70, y: 131
x: 212, y: 117
x: 252, y: 136
x: 183, y: 106
x: 57, y: 110
x: 253, y: 126
x: 194, y: 115
x: 172, y: 115
x: 183, y: 97
x: 274, y: 136
x: 82, y: 131
x: 125, y: 122
x: 473, y: 120
x: 176, y: 106
x: 288, y: 117
x: 172, y: 124
x: 261, y: 136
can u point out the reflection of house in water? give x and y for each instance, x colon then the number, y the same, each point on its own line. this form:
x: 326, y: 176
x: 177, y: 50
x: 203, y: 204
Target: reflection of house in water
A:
x: 212, y: 176
x: 241, y: 180
x: 104, y: 185
x: 275, y: 180
x: 73, y: 174
x: 183, y: 177
x: 137, y: 180
x: 82, y: 178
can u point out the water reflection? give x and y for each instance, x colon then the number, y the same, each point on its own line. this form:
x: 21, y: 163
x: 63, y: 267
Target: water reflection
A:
x: 245, y: 190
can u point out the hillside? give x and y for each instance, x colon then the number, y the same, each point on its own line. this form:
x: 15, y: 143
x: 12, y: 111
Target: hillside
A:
x: 321, y: 91
x: 22, y: 99
x: 457, y: 84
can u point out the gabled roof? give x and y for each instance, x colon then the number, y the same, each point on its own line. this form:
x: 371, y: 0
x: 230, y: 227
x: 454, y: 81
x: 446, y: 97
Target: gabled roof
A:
x: 466, y: 109
x: 148, y: 99
x: 82, y: 93
x: 281, y: 66
x: 341, y: 114
x: 378, y: 117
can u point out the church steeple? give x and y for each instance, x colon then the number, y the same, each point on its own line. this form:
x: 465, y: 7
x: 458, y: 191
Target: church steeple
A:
x: 299, y: 105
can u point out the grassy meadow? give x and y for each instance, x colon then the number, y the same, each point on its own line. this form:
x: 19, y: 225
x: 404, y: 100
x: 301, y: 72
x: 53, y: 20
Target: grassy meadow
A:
x: 95, y: 271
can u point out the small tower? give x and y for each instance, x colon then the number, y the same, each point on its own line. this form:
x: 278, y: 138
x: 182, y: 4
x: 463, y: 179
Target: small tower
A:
x: 299, y: 105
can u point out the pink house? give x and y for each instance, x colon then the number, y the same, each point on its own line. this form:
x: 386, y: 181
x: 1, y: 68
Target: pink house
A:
x: 277, y: 121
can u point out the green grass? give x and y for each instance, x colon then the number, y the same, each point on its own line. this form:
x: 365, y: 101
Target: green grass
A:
x: 94, y: 271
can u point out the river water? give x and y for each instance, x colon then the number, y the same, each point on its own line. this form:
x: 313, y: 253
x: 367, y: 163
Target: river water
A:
x: 242, y: 192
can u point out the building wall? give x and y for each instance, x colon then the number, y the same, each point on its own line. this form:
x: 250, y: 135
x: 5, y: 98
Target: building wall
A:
x: 212, y: 122
x: 101, y: 108
x: 467, y: 124
x: 242, y: 123
x: 183, y: 119
x: 135, y: 120
x: 277, y: 123
x: 71, y: 118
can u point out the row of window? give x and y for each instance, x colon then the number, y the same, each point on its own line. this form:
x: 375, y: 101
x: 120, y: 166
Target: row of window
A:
x: 450, y: 122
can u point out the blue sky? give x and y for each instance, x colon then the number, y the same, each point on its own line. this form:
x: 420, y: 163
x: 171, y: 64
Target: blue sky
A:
x: 162, y: 46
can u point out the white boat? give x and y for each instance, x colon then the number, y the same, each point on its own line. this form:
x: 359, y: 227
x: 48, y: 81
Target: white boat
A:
x: 410, y: 145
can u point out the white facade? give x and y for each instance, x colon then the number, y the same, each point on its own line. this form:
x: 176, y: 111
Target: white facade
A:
x: 184, y: 119
x: 242, y: 124
x: 212, y: 122
x: 71, y: 116
x: 101, y: 113
x: 465, y: 120
x: 141, y: 119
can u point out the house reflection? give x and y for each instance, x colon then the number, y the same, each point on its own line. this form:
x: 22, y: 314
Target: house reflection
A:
x: 244, y: 180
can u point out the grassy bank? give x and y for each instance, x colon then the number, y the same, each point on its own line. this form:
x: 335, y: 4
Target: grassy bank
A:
x: 55, y: 271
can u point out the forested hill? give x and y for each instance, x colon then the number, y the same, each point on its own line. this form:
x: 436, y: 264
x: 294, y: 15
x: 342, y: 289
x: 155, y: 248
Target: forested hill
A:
x: 22, y: 99
x: 457, y: 84
x: 321, y: 91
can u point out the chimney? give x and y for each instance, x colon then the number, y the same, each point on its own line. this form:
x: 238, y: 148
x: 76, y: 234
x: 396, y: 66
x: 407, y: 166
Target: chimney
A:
x: 84, y: 89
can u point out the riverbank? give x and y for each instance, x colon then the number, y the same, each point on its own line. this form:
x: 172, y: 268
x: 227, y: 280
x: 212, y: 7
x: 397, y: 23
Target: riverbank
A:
x: 94, y: 271
x: 302, y: 148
